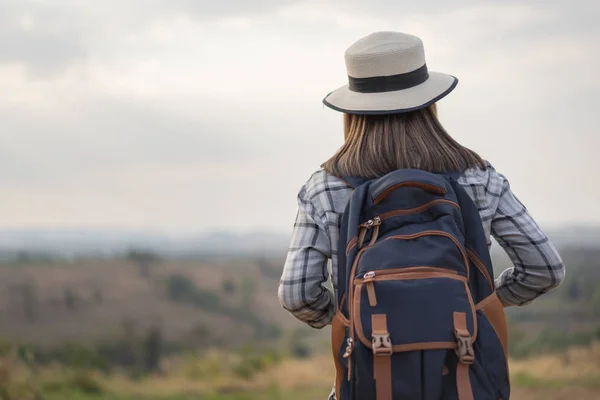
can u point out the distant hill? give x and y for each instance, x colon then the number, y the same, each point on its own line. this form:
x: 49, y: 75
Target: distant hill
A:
x: 227, y: 302
x: 222, y: 286
x: 575, y: 236
x: 107, y: 243
x: 110, y: 242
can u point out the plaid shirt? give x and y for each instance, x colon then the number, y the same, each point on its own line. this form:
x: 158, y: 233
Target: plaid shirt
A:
x: 307, y: 287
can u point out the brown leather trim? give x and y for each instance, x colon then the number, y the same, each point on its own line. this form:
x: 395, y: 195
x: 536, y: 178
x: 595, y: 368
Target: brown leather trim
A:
x: 494, y: 312
x: 463, y: 382
x: 421, y: 208
x: 436, y: 233
x: 481, y: 267
x: 486, y: 301
x: 355, y: 319
x: 403, y: 276
x: 371, y: 293
x: 473, y: 310
x: 352, y: 272
x: 425, y: 186
x: 403, y: 270
x: 362, y: 232
x: 382, y: 363
x: 337, y: 341
x: 374, y: 235
x: 341, y: 316
x: 460, y: 323
x: 351, y: 296
x: 357, y: 326
x: 445, y: 371
x: 424, y: 346
x: 351, y: 244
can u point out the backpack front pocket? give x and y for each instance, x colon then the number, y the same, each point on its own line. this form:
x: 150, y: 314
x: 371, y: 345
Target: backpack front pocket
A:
x: 405, y: 321
x: 420, y: 304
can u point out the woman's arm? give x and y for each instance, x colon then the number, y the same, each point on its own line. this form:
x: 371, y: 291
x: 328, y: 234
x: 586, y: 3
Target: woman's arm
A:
x: 537, y: 266
x: 301, y: 288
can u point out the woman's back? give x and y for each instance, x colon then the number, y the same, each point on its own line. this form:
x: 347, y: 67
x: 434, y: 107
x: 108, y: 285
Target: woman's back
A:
x: 322, y: 199
x: 391, y: 124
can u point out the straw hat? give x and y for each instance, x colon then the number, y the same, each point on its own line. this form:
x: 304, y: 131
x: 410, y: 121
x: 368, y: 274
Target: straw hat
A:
x: 387, y: 73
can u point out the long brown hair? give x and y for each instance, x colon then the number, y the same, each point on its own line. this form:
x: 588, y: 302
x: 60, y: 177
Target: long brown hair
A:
x: 378, y: 144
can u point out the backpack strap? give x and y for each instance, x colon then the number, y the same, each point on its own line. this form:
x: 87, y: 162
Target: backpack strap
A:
x: 352, y: 181
x: 355, y: 181
x: 465, y: 355
x: 382, y: 357
x: 453, y: 174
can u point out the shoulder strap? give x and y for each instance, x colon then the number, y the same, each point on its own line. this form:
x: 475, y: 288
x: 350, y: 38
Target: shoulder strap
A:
x: 475, y: 238
x: 352, y: 181
x: 453, y: 174
x: 355, y: 181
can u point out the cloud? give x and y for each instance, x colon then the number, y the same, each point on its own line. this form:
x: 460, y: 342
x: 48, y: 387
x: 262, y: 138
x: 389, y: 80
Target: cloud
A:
x: 118, y: 113
x: 102, y: 135
x: 47, y: 39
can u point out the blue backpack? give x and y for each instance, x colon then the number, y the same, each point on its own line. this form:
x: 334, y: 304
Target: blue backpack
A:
x: 418, y: 315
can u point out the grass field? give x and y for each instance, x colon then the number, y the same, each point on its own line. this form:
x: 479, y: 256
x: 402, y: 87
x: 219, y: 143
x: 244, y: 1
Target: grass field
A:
x: 572, y: 375
x: 87, y: 315
x: 47, y: 303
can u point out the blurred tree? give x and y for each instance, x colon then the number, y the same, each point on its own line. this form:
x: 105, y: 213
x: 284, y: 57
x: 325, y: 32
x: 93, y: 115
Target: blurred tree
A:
x: 229, y: 286
x: 152, y: 349
x: 129, y: 326
x: 70, y: 298
x: 98, y: 296
x: 144, y: 260
x: 28, y: 299
x: 298, y: 346
x: 200, y: 336
x: 595, y: 302
x: 572, y: 289
x: 268, y: 269
x: 78, y: 356
x: 180, y: 288
x: 248, y: 293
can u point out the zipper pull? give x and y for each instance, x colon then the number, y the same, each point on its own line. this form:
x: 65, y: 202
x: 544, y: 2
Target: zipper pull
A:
x: 369, y: 275
x: 375, y: 221
x: 348, y: 348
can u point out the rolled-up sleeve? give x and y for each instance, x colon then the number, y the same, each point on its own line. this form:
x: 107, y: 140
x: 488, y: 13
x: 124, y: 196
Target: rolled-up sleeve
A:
x: 302, y: 290
x: 537, y: 266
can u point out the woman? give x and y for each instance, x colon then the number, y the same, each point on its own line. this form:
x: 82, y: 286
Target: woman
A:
x: 390, y: 122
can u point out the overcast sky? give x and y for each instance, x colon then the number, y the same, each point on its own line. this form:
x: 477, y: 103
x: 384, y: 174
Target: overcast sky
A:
x: 188, y: 115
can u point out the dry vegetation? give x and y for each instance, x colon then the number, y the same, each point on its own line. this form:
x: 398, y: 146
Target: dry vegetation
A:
x: 572, y: 375
x: 232, y: 339
x: 91, y: 300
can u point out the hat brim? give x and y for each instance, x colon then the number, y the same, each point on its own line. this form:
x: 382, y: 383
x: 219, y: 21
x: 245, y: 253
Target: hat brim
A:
x: 436, y: 87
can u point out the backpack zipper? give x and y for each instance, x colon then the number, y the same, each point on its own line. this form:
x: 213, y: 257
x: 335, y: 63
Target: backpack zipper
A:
x: 396, y: 213
x: 370, y: 277
x: 437, y: 233
x: 372, y: 222
x: 418, y: 209
x: 364, y: 227
x: 377, y: 220
x: 348, y: 348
